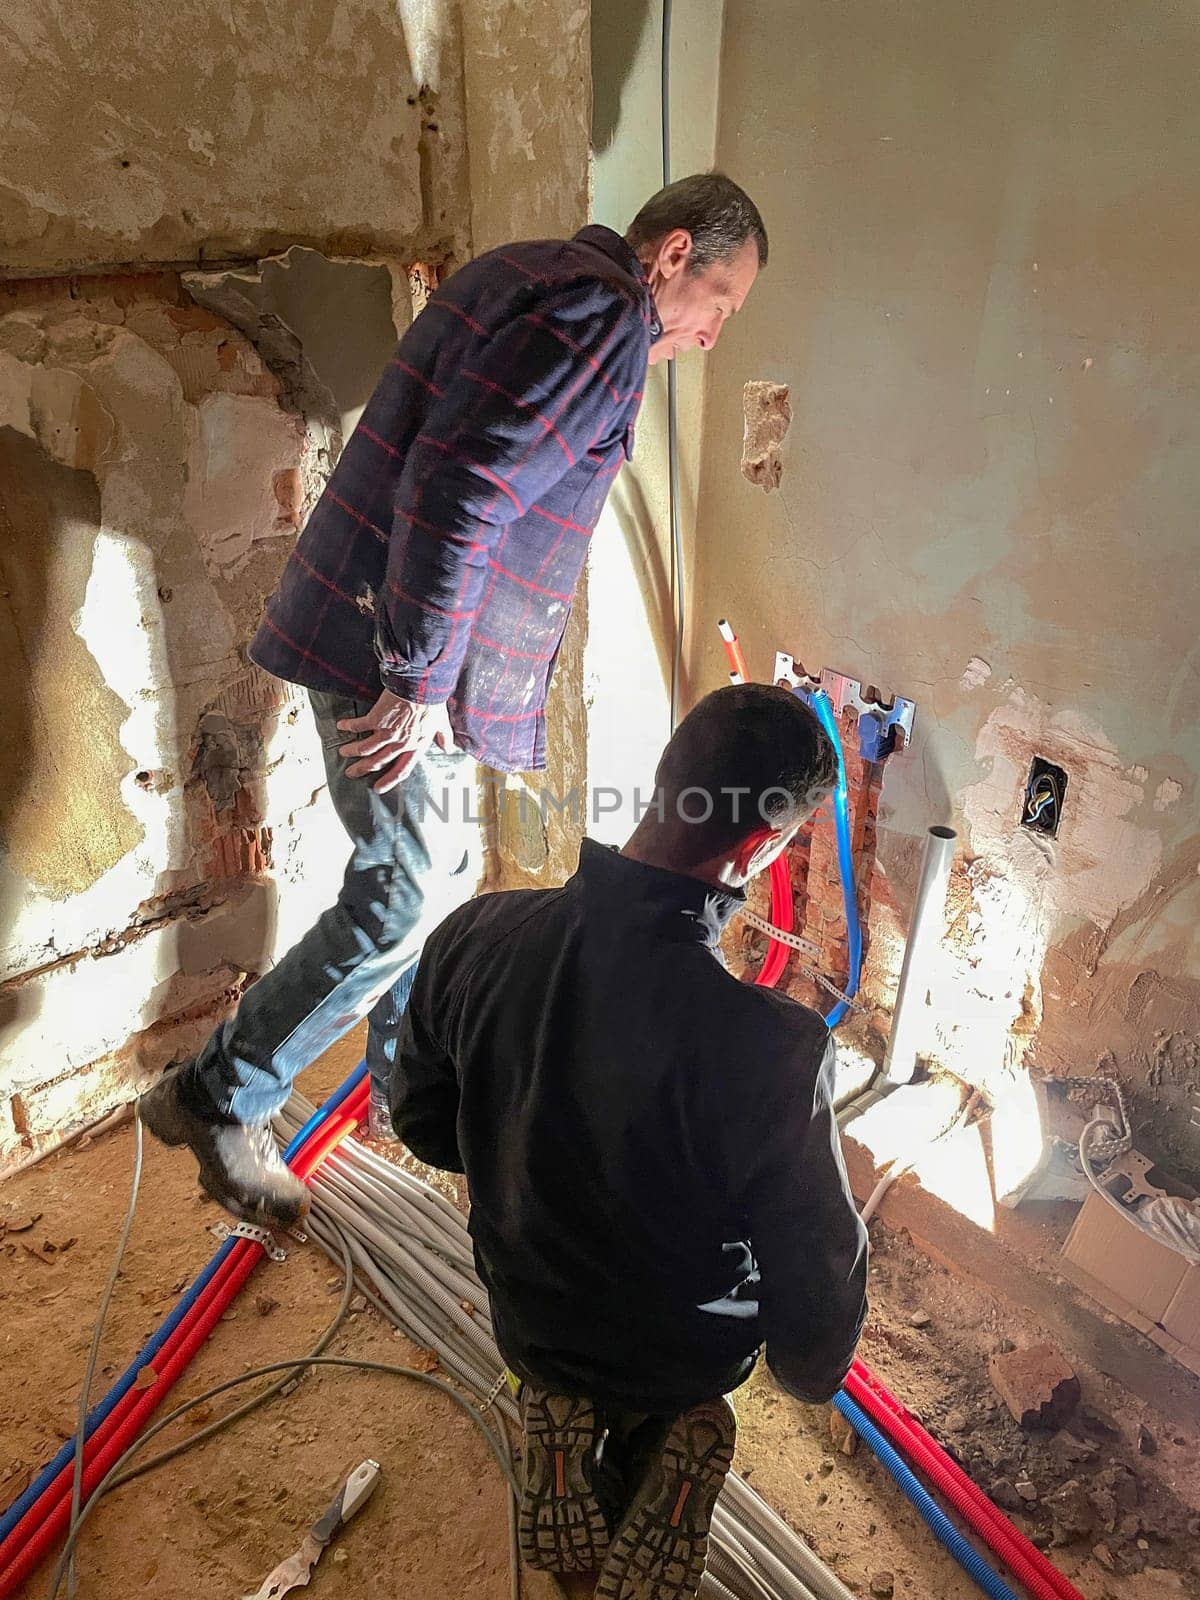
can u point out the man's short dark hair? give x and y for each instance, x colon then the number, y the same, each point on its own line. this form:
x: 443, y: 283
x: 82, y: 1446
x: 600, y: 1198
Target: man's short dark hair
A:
x: 720, y: 216
x: 748, y: 755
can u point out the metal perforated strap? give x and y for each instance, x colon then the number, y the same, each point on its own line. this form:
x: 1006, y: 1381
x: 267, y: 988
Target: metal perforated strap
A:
x: 495, y: 1391
x: 806, y: 948
x: 246, y: 1230
x: 793, y: 940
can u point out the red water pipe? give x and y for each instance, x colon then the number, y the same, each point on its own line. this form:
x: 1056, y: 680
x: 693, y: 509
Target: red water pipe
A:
x: 45, y: 1523
x: 783, y: 916
x: 1026, y: 1561
x: 985, y: 1518
x: 738, y: 670
x: 48, y: 1518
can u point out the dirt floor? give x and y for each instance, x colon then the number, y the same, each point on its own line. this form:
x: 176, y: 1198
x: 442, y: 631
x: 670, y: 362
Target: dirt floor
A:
x: 1115, y: 1497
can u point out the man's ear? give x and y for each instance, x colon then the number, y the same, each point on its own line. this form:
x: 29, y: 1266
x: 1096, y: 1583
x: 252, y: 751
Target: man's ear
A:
x: 674, y: 249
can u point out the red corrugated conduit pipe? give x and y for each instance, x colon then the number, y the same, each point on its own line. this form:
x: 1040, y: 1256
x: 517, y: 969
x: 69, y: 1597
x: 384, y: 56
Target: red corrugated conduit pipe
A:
x: 1043, y: 1580
x: 46, y: 1521
x: 982, y: 1516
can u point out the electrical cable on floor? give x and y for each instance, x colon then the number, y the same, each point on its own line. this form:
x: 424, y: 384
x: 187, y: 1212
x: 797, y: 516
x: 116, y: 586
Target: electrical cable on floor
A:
x: 354, y: 1362
x: 414, y: 1270
x: 268, y: 1393
x: 124, y: 1471
x: 89, y: 1371
x: 463, y: 1341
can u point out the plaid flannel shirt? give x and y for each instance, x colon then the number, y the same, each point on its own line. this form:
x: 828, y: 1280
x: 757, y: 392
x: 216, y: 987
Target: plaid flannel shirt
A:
x: 442, y: 558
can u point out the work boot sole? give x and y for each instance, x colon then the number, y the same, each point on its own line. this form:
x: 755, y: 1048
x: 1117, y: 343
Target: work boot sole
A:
x: 660, y: 1550
x: 258, y: 1213
x: 560, y: 1526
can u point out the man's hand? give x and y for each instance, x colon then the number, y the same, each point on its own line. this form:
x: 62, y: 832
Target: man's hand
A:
x: 392, y: 735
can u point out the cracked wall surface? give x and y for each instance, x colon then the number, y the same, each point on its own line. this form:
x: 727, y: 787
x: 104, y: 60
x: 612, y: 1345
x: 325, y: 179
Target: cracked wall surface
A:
x: 984, y: 231
x: 232, y: 131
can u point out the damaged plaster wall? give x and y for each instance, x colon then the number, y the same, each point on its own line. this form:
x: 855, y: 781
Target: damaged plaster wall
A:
x: 156, y: 784
x: 229, y: 132
x: 165, y: 833
x: 981, y: 296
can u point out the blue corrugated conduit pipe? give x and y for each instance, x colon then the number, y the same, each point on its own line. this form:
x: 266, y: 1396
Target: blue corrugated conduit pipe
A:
x: 820, y: 703
x: 934, y: 1517
x: 145, y: 1356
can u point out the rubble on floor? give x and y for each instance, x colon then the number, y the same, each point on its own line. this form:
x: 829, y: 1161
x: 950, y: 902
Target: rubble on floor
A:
x: 1113, y: 1495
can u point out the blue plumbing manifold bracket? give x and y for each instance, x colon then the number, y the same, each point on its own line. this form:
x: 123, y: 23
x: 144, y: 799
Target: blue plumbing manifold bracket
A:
x: 883, y: 726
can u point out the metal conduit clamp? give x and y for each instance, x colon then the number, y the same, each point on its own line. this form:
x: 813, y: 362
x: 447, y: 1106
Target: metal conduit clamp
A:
x: 246, y: 1230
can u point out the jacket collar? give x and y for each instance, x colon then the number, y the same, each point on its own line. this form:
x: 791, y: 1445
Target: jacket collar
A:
x: 613, y: 246
x: 683, y: 906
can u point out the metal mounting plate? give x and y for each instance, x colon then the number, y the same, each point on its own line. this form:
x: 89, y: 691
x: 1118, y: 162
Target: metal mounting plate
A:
x: 846, y: 693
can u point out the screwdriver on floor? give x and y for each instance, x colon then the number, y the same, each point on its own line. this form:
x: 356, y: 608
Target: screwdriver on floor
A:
x: 295, y: 1571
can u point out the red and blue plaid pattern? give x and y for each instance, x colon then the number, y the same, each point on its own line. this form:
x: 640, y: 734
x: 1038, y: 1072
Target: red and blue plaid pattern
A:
x: 443, y: 556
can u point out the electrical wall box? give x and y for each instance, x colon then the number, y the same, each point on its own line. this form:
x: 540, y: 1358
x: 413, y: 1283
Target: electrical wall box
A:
x: 1044, y: 798
x: 1146, y: 1284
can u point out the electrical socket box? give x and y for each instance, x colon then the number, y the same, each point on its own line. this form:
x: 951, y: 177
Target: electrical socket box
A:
x: 1044, y: 797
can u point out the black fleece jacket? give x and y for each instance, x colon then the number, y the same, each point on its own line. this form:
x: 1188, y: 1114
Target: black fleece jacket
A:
x: 656, y: 1181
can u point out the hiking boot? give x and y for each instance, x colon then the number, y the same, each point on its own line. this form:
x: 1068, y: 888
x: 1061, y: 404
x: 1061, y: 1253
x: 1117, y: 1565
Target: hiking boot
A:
x: 560, y: 1526
x: 239, y: 1165
x: 379, y: 1116
x: 659, y: 1551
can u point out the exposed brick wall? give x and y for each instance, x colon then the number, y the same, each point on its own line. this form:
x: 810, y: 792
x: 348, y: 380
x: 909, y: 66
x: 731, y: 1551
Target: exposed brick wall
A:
x: 817, y: 905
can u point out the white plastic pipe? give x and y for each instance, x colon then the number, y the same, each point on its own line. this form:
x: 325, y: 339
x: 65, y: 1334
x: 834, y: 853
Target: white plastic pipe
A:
x: 924, y: 935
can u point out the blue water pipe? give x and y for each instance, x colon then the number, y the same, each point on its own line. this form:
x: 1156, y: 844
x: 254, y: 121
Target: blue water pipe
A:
x: 327, y: 1109
x: 124, y: 1383
x: 823, y: 708
x: 938, y: 1523
x: 145, y: 1356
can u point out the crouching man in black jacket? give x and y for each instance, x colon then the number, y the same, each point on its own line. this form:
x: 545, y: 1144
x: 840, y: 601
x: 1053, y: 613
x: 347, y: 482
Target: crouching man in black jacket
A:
x: 656, y: 1182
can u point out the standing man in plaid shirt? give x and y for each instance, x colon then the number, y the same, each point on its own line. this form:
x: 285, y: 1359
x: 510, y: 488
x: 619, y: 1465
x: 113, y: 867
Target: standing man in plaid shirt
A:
x: 423, y: 609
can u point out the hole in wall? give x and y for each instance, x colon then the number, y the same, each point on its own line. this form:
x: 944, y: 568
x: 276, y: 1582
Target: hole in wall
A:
x: 1044, y: 797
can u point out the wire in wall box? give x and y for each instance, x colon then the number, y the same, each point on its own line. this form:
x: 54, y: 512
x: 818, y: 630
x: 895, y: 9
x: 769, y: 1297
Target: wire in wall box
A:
x: 884, y: 726
x: 1045, y: 791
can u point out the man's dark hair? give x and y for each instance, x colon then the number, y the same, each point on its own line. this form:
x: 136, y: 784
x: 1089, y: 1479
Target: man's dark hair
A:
x: 746, y: 755
x: 720, y: 216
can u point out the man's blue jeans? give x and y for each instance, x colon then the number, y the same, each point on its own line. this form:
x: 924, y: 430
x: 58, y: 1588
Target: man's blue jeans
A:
x: 414, y: 860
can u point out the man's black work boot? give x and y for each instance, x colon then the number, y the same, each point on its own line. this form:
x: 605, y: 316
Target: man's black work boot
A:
x: 560, y: 1526
x: 659, y: 1551
x: 239, y: 1164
